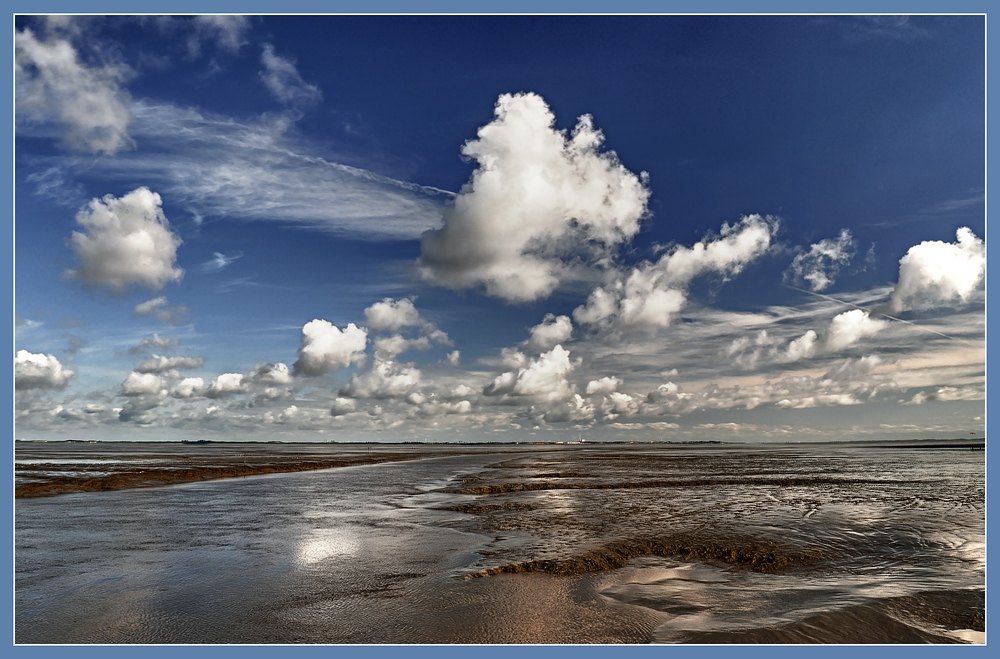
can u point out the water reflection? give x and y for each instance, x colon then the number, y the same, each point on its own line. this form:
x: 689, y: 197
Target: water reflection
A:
x: 322, y: 544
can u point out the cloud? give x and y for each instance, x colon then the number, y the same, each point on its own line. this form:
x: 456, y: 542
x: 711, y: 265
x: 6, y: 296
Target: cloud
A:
x: 392, y: 315
x: 849, y: 382
x: 342, y: 406
x: 187, y: 388
x: 552, y: 331
x: 851, y: 370
x: 652, y: 294
x: 454, y: 357
x: 947, y: 394
x: 229, y: 32
x: 258, y: 170
x: 605, y: 385
x: 226, y: 384
x: 22, y: 325
x: 802, y: 347
x: 821, y: 264
x: 617, y: 404
x: 544, y: 377
x: 161, y: 364
x: 325, y: 347
x: 51, y: 184
x: 935, y: 273
x: 139, y: 408
x: 154, y: 342
x: 127, y: 242
x: 141, y: 384
x: 218, y: 262
x: 39, y: 371
x: 282, y: 79
x: 385, y: 379
x: 52, y: 84
x: 848, y: 328
x: 159, y: 309
x: 538, y: 198
x: 390, y: 346
x: 271, y: 373
x: 748, y: 353
x: 395, y: 315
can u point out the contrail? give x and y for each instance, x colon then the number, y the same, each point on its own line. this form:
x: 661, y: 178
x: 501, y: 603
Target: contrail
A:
x: 855, y: 306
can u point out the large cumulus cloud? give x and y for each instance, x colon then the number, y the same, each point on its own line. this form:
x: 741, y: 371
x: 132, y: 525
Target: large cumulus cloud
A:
x: 39, y: 371
x: 538, y: 197
x: 542, y: 378
x: 126, y: 242
x: 326, y: 347
x: 935, y: 273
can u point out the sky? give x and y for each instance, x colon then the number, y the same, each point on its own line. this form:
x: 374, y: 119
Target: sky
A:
x: 499, y: 228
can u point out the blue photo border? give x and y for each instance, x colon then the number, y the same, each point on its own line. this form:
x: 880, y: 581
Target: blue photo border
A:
x: 488, y: 7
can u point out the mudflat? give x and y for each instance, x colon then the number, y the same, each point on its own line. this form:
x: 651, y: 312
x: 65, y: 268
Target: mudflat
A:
x: 712, y: 544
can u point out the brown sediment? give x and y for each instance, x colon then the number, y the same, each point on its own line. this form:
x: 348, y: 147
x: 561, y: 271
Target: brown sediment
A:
x: 951, y: 609
x: 501, y: 488
x: 919, y: 618
x: 561, y: 474
x: 746, y: 553
x: 160, y: 476
x: 481, y: 509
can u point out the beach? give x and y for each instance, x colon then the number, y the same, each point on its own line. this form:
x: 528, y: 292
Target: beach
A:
x: 832, y: 543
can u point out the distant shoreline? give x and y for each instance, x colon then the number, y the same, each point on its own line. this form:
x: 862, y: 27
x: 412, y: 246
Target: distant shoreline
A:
x: 898, y: 443
x: 52, y: 472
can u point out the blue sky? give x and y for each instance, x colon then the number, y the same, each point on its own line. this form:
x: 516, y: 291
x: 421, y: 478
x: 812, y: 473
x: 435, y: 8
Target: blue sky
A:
x: 500, y: 228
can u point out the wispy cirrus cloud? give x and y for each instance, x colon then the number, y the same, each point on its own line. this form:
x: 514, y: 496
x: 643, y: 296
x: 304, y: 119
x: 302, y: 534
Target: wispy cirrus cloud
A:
x: 285, y: 82
x: 219, y: 261
x: 255, y: 171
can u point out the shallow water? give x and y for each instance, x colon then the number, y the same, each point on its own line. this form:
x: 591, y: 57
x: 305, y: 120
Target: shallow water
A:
x: 768, y: 544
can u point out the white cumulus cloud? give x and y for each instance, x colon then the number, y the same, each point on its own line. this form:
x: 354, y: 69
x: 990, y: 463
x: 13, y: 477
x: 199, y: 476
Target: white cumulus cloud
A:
x: 552, y: 331
x: 385, y: 379
x: 325, y: 347
x: 935, y: 273
x: 538, y: 196
x: 187, y: 388
x: 162, y: 364
x: 802, y: 347
x: 544, y: 377
x: 226, y: 384
x: 141, y: 384
x: 271, y: 373
x: 395, y: 315
x: 392, y: 315
x: 39, y: 371
x: 653, y: 293
x: 849, y: 327
x: 126, y: 242
x: 605, y: 385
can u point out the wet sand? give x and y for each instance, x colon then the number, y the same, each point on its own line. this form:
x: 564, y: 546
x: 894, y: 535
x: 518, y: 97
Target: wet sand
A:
x: 509, y: 544
x: 122, y: 468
